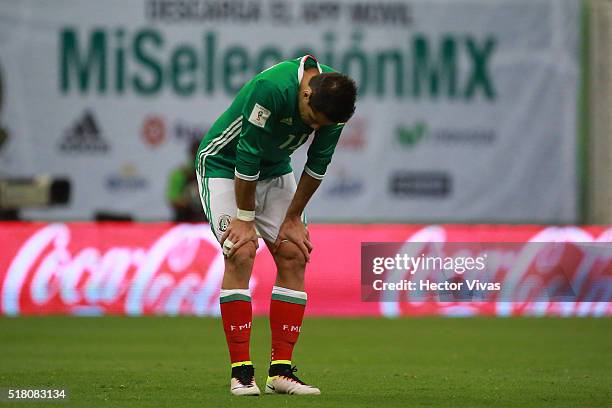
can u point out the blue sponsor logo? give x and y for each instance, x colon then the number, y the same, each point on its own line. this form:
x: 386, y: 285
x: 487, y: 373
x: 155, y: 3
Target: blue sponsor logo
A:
x: 344, y: 186
x: 127, y: 179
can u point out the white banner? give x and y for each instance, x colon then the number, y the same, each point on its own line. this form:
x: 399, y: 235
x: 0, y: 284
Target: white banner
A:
x: 467, y: 108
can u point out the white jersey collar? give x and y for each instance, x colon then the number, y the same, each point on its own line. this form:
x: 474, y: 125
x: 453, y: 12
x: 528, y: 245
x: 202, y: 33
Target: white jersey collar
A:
x: 301, y: 68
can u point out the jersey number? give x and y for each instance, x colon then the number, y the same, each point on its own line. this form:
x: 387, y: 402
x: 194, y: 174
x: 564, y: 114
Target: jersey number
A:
x: 291, y: 139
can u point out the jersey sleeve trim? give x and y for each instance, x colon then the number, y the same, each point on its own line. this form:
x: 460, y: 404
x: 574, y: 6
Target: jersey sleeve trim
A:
x: 245, y: 177
x: 313, y: 174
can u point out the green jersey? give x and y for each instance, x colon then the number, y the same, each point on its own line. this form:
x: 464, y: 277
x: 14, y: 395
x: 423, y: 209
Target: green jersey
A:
x: 255, y: 136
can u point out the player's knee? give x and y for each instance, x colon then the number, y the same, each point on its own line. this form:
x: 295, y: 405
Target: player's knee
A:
x: 243, y: 258
x: 290, y: 257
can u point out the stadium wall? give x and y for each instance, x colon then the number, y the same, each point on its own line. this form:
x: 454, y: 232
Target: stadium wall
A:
x: 172, y: 269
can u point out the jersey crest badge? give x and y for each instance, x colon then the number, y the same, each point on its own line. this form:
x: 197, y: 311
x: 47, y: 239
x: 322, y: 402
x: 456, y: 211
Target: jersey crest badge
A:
x: 224, y: 222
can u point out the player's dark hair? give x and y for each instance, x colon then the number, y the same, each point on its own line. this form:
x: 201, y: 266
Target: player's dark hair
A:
x: 333, y: 94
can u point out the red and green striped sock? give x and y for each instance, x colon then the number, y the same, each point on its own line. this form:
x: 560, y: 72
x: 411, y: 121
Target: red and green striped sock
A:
x: 237, y: 316
x: 286, y: 315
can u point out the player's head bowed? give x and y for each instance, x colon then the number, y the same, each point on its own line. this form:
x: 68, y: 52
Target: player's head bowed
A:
x: 333, y: 95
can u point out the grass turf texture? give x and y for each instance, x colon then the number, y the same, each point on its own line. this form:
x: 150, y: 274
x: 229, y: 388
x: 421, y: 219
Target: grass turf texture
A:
x: 182, y: 362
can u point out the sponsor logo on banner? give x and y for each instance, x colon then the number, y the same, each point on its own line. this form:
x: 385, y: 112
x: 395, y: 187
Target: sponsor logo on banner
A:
x: 84, y: 136
x: 62, y: 269
x: 465, y: 137
x: 552, y: 271
x: 421, y: 184
x: 341, y: 184
x: 354, y: 135
x: 156, y: 131
x: 127, y: 179
x: 411, y: 136
x: 184, y: 131
x: 151, y: 55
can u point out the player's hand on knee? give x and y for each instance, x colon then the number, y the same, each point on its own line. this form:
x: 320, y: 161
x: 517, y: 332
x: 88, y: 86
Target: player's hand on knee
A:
x: 237, y: 234
x: 293, y: 230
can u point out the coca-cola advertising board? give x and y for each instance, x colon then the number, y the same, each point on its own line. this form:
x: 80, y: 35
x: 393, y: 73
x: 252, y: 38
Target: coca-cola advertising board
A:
x: 169, y: 269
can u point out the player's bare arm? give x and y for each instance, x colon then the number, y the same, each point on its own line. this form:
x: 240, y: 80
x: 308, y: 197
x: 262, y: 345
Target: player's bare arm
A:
x: 241, y: 230
x: 293, y: 229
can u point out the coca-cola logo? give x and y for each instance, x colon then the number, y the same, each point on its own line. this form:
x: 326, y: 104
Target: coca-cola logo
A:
x: 180, y: 272
x: 554, y: 272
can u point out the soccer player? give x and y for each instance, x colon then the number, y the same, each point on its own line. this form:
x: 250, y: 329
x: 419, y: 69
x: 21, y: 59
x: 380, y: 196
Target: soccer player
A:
x: 248, y: 190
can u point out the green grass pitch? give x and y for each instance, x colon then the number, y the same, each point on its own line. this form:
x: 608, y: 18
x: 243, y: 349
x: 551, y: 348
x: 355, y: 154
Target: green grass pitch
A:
x: 421, y: 362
